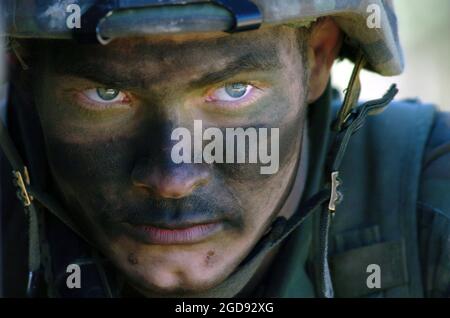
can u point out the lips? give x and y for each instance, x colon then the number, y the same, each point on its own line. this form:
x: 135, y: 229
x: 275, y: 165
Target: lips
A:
x: 176, y: 235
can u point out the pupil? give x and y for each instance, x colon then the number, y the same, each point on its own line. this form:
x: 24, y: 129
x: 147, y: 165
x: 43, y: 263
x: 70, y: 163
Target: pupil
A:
x: 107, y: 93
x: 236, y: 90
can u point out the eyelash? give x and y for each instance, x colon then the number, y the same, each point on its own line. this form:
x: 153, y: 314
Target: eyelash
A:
x: 97, y: 106
x: 224, y: 106
x: 252, y: 97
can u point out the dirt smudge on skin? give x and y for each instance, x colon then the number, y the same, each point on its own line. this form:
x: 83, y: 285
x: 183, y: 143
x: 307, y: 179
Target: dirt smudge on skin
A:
x: 209, y: 257
x: 132, y: 259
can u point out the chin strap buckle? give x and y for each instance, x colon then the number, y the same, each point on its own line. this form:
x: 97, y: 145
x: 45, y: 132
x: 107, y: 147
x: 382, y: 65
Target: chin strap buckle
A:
x: 336, y: 196
x: 21, y: 182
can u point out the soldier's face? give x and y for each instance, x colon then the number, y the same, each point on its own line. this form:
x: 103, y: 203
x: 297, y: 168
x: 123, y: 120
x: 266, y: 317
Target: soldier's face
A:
x: 108, y: 112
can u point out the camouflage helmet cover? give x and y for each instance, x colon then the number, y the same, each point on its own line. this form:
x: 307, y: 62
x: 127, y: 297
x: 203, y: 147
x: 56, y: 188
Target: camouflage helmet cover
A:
x: 47, y: 19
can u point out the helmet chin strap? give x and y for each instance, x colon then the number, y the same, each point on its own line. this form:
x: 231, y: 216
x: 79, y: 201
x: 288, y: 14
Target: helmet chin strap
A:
x: 351, y: 118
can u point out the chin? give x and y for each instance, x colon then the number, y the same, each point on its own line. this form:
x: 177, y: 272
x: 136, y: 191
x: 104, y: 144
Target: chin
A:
x: 169, y: 285
x: 171, y: 271
x: 169, y: 280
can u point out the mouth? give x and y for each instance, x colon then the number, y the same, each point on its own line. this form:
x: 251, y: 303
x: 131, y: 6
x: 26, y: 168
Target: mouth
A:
x: 173, y: 235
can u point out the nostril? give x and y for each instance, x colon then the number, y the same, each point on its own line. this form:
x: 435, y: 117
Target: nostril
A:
x: 174, y: 189
x: 174, y: 183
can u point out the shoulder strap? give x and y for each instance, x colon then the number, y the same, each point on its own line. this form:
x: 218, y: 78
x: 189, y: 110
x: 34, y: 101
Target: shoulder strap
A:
x: 435, y: 183
x: 434, y: 211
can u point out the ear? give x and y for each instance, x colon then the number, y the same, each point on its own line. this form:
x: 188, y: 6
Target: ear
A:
x: 323, y: 48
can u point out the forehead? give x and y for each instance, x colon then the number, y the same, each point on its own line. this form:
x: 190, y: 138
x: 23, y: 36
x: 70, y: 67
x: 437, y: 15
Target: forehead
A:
x: 183, y: 45
x: 184, y: 55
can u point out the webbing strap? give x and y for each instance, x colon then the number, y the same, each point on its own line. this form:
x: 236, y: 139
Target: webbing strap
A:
x: 22, y: 181
x: 10, y: 150
x: 28, y: 196
x: 354, y: 120
x: 349, y: 120
x: 353, y: 92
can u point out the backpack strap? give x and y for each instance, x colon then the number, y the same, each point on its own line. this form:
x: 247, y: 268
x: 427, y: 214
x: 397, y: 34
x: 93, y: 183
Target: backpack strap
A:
x: 434, y: 211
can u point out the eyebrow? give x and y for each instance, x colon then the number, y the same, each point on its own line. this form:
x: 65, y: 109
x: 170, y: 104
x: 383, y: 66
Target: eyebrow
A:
x: 95, y: 71
x: 247, y: 63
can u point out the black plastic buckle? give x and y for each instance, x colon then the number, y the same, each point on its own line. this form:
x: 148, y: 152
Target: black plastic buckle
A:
x: 247, y: 15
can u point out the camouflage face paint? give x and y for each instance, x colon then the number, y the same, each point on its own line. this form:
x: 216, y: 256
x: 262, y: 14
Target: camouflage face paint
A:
x: 111, y: 160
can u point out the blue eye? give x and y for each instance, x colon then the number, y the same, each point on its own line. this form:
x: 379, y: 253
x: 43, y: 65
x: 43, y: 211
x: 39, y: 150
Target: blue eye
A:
x: 107, y: 94
x: 236, y: 90
x: 232, y: 92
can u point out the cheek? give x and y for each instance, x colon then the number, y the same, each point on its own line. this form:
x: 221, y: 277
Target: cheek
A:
x: 261, y: 198
x: 283, y: 110
x: 90, y: 176
x: 91, y: 163
x: 261, y: 195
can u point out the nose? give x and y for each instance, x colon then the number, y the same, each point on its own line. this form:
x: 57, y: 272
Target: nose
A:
x: 173, y: 181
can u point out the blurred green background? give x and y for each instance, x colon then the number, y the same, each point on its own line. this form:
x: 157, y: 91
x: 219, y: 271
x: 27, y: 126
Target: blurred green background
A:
x: 425, y: 34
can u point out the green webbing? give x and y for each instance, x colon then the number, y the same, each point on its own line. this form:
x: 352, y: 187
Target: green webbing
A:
x: 34, y: 255
x: 352, y: 93
x: 19, y: 170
